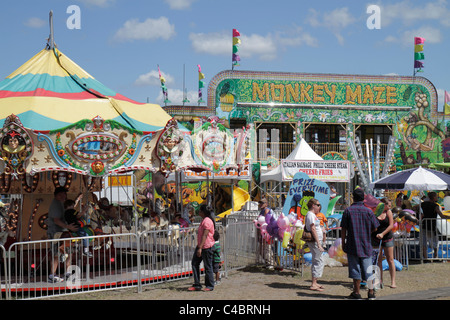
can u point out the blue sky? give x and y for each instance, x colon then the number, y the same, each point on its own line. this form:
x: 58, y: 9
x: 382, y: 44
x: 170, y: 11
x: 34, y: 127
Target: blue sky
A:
x: 120, y: 43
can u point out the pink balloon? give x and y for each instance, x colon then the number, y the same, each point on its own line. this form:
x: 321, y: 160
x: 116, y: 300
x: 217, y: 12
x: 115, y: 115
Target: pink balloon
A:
x: 282, y: 222
x: 264, y: 227
x: 332, y: 251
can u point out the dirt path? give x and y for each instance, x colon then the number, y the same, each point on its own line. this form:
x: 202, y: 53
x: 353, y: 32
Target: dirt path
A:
x: 256, y: 283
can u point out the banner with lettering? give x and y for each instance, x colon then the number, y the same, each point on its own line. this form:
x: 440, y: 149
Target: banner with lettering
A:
x: 324, y: 170
x: 301, y: 190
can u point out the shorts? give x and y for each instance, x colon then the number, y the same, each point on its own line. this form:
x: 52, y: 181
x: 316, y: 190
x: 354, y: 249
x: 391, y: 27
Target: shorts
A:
x: 388, y: 243
x: 216, y: 267
x: 430, y: 238
x: 358, y: 267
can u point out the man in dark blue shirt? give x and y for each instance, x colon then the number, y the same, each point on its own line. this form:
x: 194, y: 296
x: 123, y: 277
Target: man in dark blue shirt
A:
x: 358, y: 223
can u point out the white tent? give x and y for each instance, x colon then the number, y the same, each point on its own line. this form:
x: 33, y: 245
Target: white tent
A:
x: 301, y: 152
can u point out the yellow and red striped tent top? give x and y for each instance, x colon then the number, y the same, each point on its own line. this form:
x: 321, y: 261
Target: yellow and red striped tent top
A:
x: 50, y: 92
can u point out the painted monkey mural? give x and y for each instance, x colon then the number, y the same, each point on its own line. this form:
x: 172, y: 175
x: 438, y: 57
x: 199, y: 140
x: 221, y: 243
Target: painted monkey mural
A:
x: 421, y: 134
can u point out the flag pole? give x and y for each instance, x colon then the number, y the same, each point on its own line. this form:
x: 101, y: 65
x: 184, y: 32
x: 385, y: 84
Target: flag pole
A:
x: 232, y: 45
x: 414, y: 57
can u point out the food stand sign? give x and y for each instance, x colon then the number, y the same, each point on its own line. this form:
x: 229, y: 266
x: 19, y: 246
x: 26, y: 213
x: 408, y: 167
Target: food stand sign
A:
x: 323, y: 170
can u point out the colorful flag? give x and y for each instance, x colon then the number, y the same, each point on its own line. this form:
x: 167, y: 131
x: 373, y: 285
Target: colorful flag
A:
x: 201, y: 84
x: 418, y: 64
x: 418, y: 48
x: 163, y: 86
x: 418, y: 54
x: 419, y: 40
x: 447, y: 102
x: 236, y: 43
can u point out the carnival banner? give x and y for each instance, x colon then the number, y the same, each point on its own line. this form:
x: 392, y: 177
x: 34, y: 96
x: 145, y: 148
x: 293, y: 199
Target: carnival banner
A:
x: 303, y: 188
x: 324, y: 170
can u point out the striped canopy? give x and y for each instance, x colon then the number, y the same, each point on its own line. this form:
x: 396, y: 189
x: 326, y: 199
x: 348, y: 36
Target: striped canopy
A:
x: 50, y: 92
x: 414, y: 179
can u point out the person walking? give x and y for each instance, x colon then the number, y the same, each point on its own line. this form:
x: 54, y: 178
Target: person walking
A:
x: 312, y: 224
x: 267, y: 243
x: 358, y: 223
x: 203, y: 251
x: 385, y: 235
x: 430, y: 210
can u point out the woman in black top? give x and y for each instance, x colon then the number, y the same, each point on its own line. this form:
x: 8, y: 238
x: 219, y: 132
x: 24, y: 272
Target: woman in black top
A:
x: 385, y: 235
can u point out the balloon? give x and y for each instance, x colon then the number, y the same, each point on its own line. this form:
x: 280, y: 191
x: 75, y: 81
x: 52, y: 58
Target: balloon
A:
x: 338, y: 242
x: 292, y: 219
x: 298, y: 237
x: 286, y: 238
x: 268, y: 218
x: 395, y: 227
x: 281, y: 232
x: 307, y: 257
x: 260, y: 221
x: 282, y: 222
x: 332, y: 252
x: 370, y: 201
x: 264, y: 228
x: 379, y: 209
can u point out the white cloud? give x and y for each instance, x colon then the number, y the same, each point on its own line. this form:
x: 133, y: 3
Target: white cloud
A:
x: 335, y: 21
x: 152, y: 79
x: 264, y: 47
x: 179, y: 4
x: 97, y: 3
x: 409, y: 14
x: 35, y: 22
x: 176, y: 97
x: 150, y: 29
x: 431, y: 35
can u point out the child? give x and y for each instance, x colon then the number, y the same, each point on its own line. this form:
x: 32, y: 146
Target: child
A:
x: 72, y: 216
x: 217, y: 262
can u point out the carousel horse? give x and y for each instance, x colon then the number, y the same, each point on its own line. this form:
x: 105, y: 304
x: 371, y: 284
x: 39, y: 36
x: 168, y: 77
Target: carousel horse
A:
x: 177, y: 230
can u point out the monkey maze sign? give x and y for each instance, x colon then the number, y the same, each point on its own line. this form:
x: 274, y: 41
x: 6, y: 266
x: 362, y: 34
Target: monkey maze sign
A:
x: 327, y: 93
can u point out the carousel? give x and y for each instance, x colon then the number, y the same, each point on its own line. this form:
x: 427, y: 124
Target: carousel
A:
x: 62, y: 127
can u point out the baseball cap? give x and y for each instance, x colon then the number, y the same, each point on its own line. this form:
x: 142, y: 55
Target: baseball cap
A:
x: 262, y: 200
x: 358, y: 194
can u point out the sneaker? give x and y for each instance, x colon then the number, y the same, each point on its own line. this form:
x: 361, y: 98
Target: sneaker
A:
x: 63, y: 257
x: 54, y: 279
x: 354, y: 296
x: 371, y: 296
x: 87, y: 254
x: 67, y: 275
x: 208, y: 289
x: 217, y: 283
x: 194, y: 289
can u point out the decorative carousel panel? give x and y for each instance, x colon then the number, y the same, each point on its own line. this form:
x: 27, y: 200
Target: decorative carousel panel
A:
x: 16, y: 145
x: 213, y: 145
x: 170, y: 147
x: 91, y: 147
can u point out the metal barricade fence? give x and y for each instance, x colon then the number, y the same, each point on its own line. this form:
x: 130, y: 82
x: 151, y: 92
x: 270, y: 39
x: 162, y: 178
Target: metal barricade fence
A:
x: 432, y: 242
x: 166, y: 255
x: 122, y: 260
x: 240, y: 245
x: 3, y: 274
x: 46, y: 268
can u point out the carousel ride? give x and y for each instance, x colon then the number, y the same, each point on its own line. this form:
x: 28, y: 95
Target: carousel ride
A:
x: 62, y: 127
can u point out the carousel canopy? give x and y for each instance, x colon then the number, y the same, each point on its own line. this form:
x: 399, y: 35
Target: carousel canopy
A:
x: 50, y: 92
